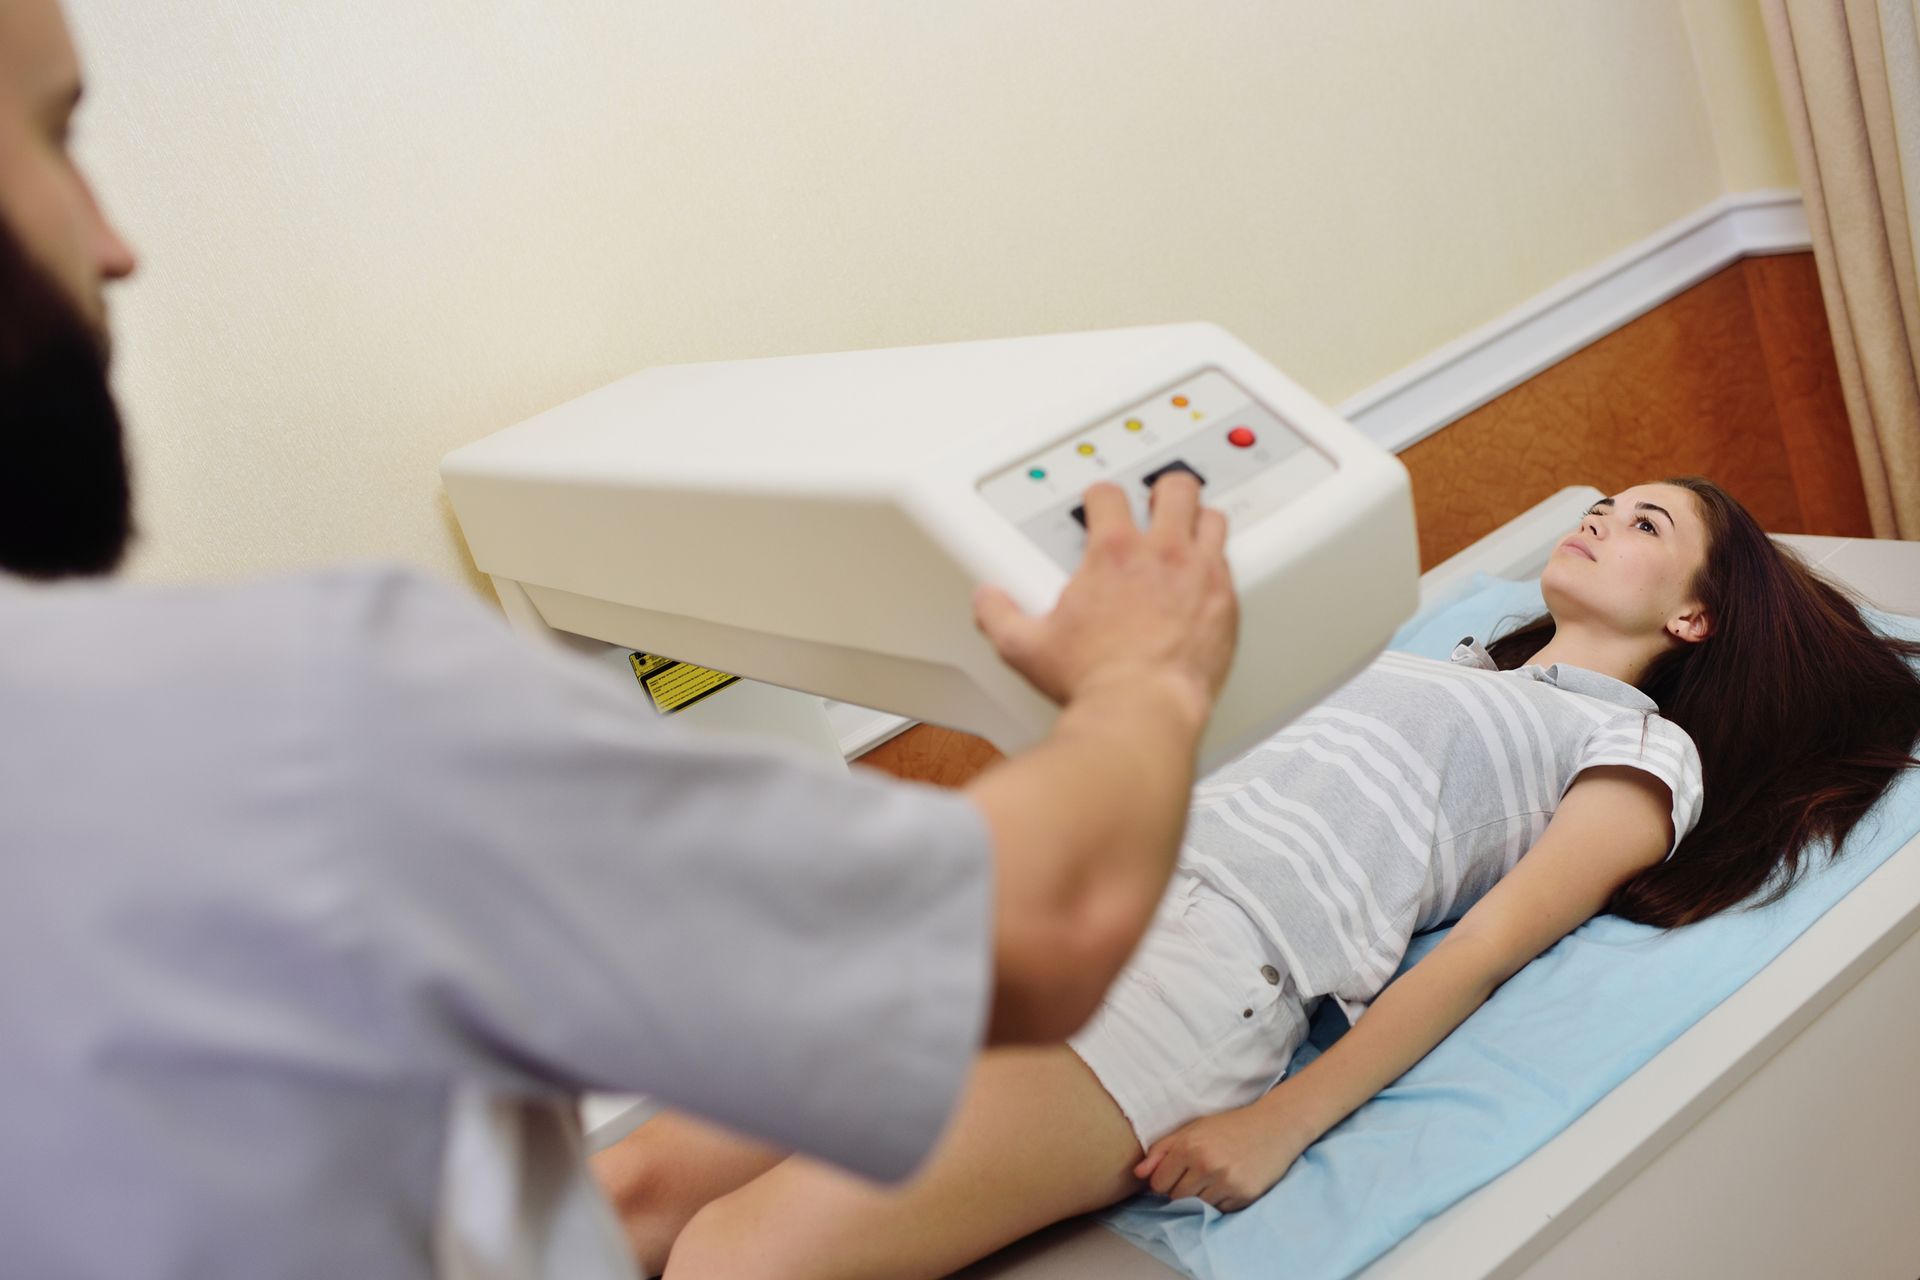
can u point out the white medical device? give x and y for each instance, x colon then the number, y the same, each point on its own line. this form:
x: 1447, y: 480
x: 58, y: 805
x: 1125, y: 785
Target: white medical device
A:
x: 820, y: 522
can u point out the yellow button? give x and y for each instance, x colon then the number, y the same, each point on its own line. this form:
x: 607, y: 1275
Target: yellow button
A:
x: 1134, y: 424
x: 1086, y: 451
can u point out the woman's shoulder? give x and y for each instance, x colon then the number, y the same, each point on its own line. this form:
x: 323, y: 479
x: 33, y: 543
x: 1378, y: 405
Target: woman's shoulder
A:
x: 1649, y: 724
x: 1660, y: 728
x: 1649, y: 741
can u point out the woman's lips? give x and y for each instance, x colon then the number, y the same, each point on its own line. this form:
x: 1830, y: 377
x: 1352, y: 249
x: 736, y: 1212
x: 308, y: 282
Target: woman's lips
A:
x: 1574, y: 544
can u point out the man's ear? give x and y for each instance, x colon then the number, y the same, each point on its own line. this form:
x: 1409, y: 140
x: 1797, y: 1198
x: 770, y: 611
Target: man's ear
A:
x: 1691, y: 625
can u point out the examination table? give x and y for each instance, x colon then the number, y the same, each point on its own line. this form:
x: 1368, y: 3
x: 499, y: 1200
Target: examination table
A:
x: 1778, y: 1136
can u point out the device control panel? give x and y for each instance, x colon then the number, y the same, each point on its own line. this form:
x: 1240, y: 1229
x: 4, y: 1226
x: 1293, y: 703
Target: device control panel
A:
x: 1247, y: 460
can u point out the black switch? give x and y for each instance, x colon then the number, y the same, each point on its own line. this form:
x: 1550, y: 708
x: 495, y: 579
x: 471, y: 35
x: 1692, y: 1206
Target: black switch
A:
x: 1080, y: 514
x: 1151, y: 476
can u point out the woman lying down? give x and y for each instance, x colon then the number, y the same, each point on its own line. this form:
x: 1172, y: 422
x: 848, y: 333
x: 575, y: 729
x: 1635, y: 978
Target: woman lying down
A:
x: 1695, y: 707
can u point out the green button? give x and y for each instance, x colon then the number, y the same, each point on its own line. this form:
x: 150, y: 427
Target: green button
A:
x: 1037, y: 473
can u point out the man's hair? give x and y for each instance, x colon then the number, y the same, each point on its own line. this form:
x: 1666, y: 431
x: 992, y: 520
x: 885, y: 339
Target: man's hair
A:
x: 65, y: 504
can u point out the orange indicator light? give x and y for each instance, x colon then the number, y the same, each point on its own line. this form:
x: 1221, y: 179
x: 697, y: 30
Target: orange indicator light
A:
x: 1179, y: 402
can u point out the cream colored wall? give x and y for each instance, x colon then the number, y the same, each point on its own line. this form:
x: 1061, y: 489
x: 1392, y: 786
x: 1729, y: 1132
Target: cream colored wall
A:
x: 1742, y: 97
x: 375, y: 230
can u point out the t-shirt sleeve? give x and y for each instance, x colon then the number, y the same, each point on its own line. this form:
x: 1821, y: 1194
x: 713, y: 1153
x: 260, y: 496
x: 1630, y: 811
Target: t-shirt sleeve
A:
x: 1657, y: 746
x: 563, y: 892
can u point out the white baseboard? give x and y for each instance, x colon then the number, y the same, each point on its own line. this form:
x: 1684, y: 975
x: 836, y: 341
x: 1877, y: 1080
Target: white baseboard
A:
x: 1473, y: 369
x: 861, y: 729
x: 1453, y: 381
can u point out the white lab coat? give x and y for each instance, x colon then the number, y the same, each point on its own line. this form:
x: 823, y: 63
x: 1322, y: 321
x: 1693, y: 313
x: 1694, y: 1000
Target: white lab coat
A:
x: 322, y: 888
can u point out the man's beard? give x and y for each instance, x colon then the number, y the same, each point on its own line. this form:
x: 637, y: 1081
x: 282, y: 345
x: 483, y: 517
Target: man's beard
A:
x: 65, y: 504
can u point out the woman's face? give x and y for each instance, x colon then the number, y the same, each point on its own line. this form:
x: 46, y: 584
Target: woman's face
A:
x: 1631, y: 564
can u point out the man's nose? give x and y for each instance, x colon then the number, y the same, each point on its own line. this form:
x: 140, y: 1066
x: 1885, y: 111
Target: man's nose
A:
x: 113, y: 254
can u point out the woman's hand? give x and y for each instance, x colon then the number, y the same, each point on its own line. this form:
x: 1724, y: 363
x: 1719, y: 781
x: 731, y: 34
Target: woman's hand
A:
x: 1229, y: 1160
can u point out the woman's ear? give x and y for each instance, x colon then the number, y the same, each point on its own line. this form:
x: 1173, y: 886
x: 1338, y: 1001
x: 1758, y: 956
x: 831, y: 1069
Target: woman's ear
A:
x: 1691, y: 625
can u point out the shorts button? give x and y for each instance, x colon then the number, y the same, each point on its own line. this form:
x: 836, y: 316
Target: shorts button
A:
x: 1271, y: 974
x: 1246, y: 1013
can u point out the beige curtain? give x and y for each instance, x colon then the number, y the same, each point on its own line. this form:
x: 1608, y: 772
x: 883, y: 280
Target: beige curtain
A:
x: 1850, y: 76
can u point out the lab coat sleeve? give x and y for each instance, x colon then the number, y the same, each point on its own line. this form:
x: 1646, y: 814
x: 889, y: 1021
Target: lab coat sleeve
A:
x: 561, y: 892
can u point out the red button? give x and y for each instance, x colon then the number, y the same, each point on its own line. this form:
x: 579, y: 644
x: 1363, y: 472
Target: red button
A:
x: 1241, y: 437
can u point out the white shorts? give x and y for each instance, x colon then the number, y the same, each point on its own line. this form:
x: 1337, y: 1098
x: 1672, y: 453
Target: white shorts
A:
x: 1203, y: 1019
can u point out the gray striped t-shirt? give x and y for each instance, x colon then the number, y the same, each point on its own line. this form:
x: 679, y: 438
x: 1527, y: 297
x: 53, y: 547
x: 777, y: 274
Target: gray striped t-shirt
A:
x: 1395, y: 804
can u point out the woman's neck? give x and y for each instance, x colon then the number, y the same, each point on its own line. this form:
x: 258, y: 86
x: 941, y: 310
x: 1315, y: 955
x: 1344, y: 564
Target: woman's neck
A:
x: 1625, y: 658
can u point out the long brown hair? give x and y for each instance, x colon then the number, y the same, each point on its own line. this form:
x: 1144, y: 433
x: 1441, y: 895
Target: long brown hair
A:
x: 1802, y: 715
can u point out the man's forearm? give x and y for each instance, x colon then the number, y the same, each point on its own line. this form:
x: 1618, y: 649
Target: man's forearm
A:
x: 1086, y: 828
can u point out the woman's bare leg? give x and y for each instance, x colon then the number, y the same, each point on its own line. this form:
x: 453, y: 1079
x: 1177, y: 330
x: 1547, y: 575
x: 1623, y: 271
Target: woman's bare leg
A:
x: 1036, y: 1140
x: 666, y: 1170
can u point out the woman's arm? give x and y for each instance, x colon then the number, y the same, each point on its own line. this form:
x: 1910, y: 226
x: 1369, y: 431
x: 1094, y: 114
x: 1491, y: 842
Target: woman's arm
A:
x: 1612, y: 823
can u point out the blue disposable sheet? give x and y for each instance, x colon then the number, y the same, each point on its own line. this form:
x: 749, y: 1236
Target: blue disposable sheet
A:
x: 1551, y: 1043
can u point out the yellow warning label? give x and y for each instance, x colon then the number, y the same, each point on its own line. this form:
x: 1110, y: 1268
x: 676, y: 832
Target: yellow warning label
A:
x: 674, y: 686
x: 645, y: 664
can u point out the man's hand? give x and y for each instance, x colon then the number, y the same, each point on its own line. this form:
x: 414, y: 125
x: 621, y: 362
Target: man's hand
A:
x: 1154, y: 606
x: 1086, y: 824
x: 1230, y: 1159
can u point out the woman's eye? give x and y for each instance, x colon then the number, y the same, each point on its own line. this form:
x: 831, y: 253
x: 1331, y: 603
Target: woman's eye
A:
x: 1644, y: 523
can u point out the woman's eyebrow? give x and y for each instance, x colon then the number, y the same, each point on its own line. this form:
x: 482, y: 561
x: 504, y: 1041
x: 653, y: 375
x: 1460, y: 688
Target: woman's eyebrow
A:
x: 1638, y: 506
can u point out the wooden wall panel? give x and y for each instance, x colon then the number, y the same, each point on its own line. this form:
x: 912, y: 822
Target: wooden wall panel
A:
x: 1700, y: 385
x: 1734, y: 379
x: 929, y: 753
x: 1797, y: 350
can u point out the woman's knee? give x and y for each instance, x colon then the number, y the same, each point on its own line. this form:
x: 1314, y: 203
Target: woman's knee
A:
x: 722, y: 1242
x: 652, y: 1205
x: 661, y: 1174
